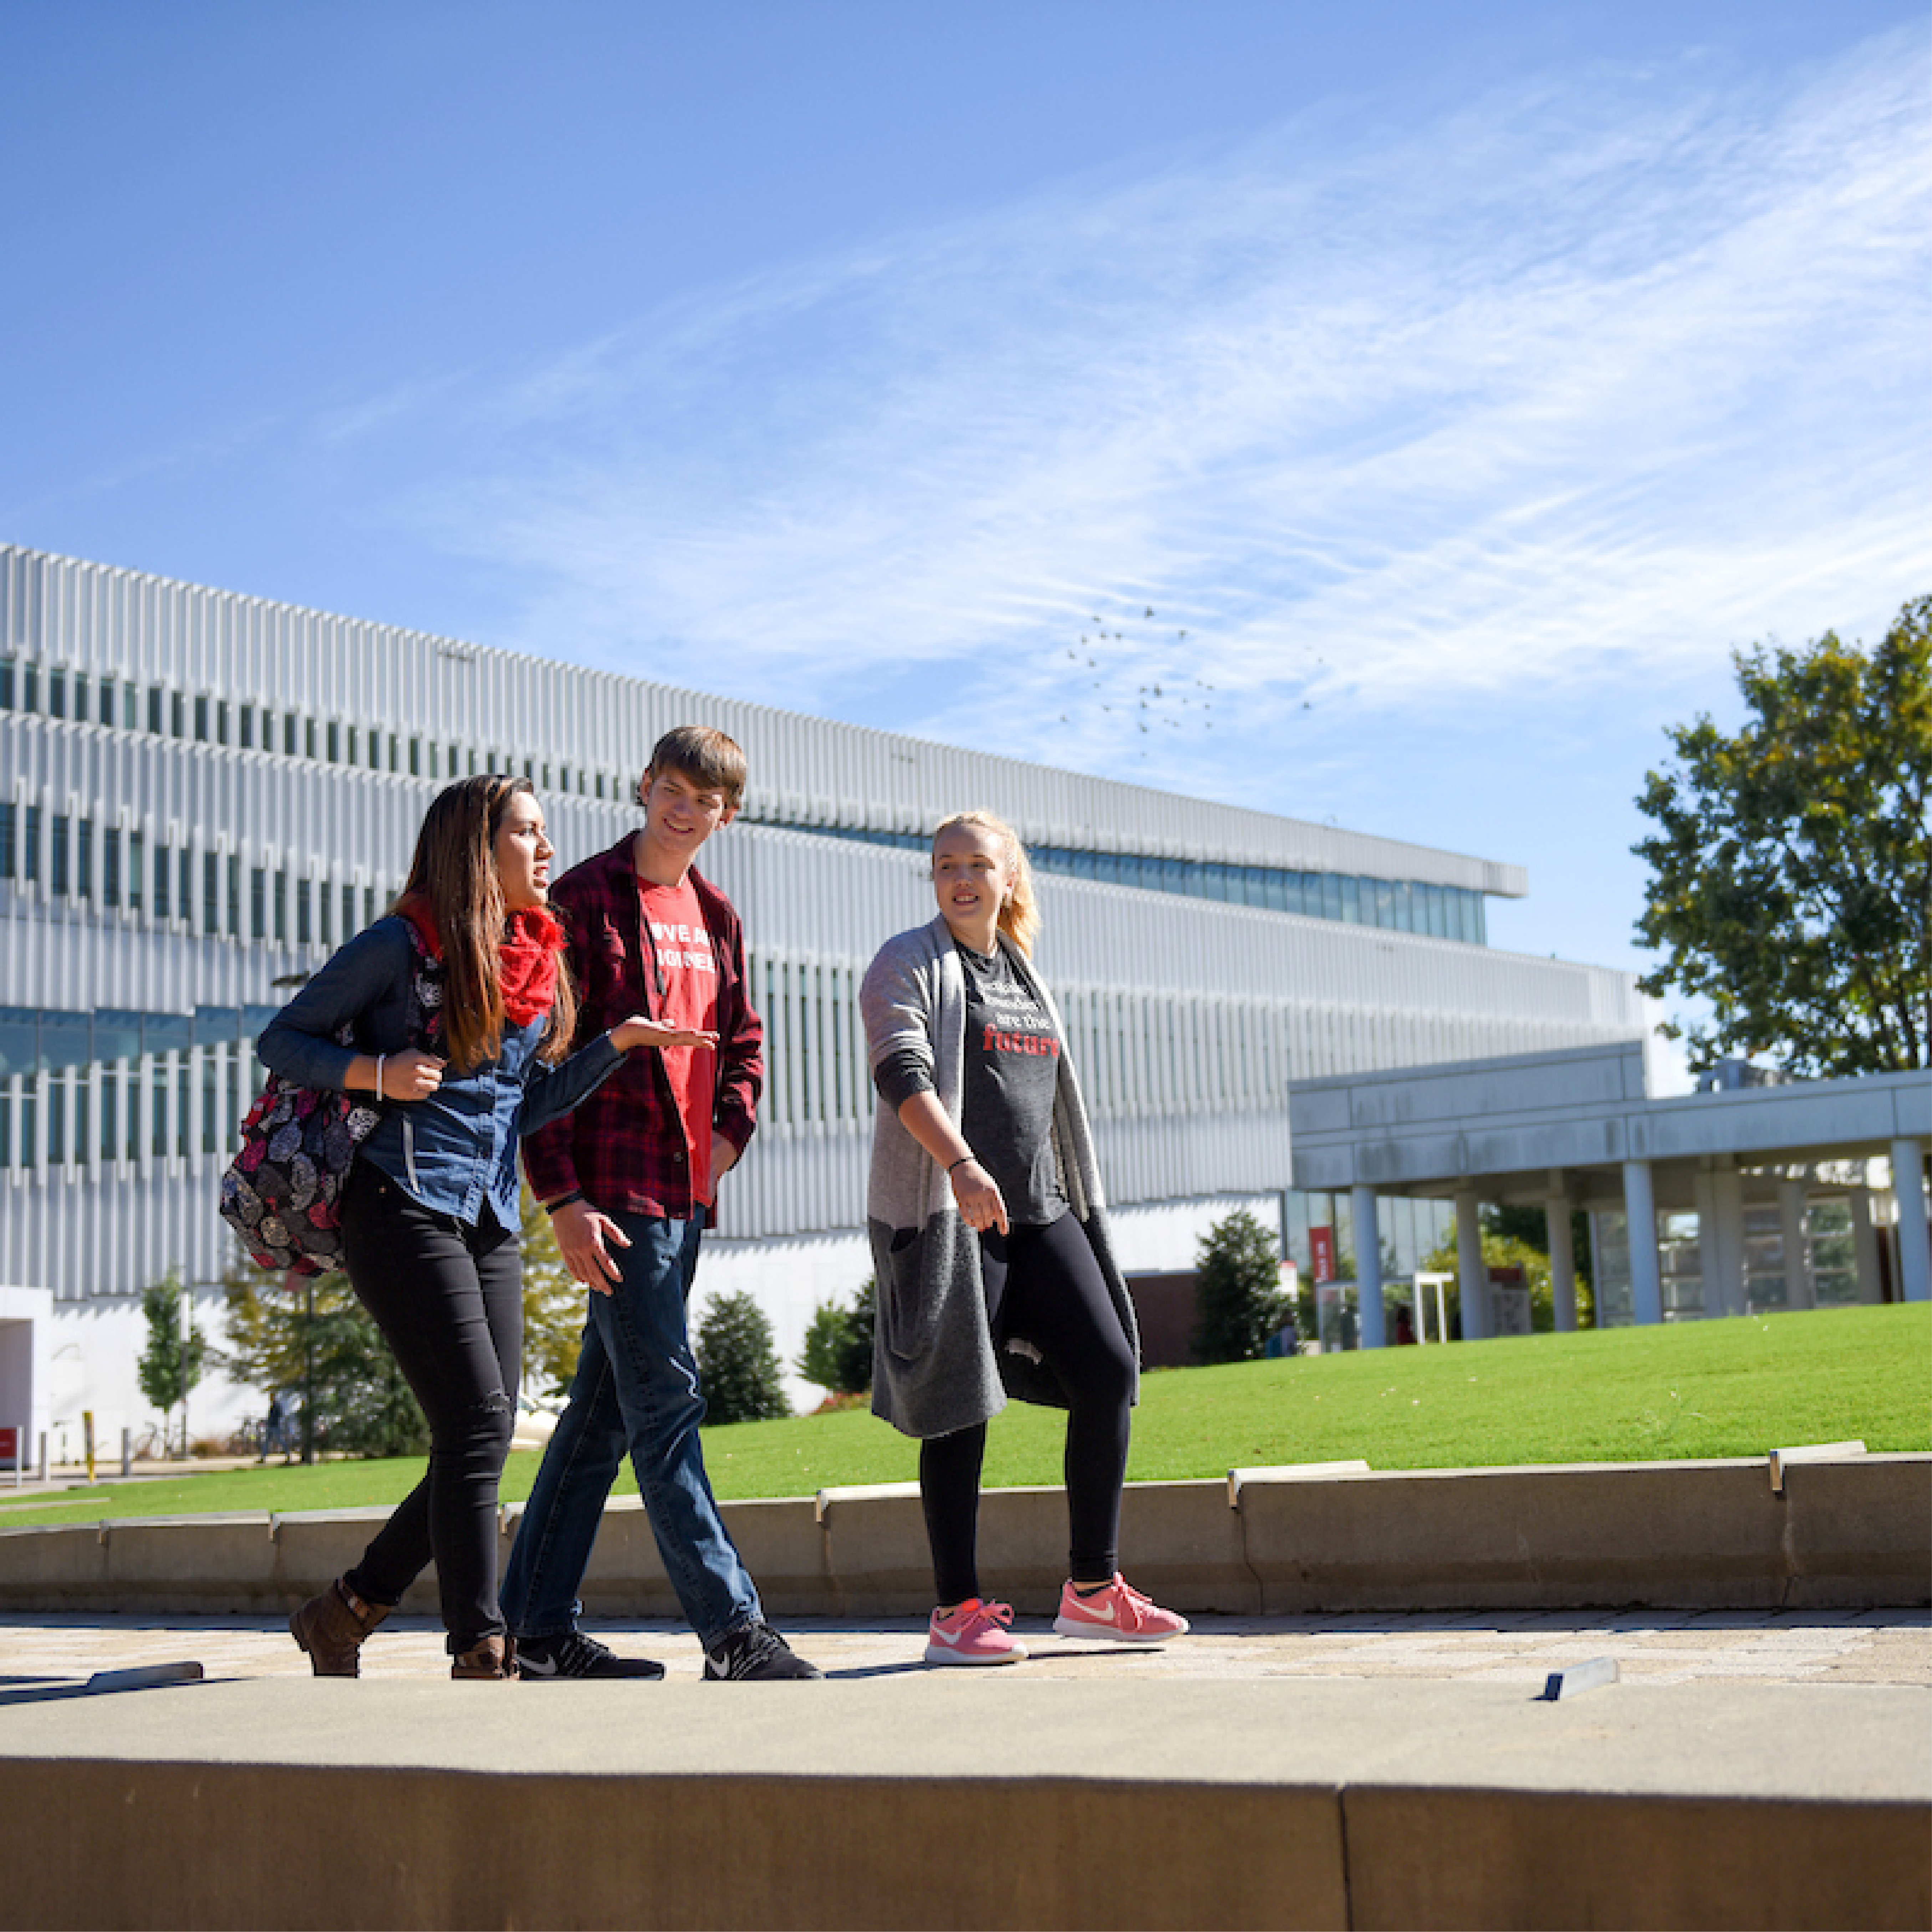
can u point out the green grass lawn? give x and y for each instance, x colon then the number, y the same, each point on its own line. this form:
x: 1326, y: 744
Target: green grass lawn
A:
x: 1737, y: 1387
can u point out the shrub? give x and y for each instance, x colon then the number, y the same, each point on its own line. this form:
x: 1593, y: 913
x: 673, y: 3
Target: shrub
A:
x: 837, y: 1351
x: 1238, y: 1302
x: 738, y: 1363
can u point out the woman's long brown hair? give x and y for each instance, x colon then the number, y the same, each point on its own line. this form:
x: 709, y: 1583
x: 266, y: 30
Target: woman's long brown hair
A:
x: 454, y: 876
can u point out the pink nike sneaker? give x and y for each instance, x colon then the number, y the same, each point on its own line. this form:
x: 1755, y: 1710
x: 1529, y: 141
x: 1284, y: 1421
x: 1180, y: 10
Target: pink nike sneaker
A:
x: 976, y: 1633
x: 1119, y: 1612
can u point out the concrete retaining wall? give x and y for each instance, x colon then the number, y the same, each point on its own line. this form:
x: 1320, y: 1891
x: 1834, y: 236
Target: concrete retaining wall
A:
x: 1850, y: 1534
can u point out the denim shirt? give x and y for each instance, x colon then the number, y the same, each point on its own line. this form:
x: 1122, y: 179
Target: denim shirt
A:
x: 455, y: 1152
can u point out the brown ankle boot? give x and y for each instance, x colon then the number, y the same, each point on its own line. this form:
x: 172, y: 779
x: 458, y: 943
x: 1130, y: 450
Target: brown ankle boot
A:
x: 332, y: 1626
x: 493, y: 1657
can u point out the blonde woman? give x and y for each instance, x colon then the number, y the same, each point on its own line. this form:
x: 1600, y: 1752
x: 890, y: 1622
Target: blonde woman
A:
x: 989, y: 1236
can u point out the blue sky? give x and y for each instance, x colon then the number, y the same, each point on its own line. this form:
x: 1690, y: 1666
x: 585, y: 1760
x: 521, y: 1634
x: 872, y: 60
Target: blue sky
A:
x: 1464, y: 382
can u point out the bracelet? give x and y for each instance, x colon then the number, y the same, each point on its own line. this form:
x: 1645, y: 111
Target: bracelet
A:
x: 563, y: 1201
x: 962, y: 1160
x: 382, y: 1059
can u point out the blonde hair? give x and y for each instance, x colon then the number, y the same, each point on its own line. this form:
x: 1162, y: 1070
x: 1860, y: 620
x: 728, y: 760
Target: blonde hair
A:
x: 1019, y: 910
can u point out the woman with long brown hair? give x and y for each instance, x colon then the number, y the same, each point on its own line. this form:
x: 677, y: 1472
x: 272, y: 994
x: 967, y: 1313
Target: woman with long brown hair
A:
x: 996, y: 1277
x: 456, y: 1013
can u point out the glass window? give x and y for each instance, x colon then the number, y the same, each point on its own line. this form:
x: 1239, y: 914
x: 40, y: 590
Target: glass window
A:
x: 233, y: 926
x: 1351, y: 899
x: 245, y: 727
x: 161, y: 880
x: 83, y: 866
x: 282, y: 909
x: 9, y: 836
x: 83, y: 699
x: 30, y: 844
x: 107, y: 700
x: 110, y: 868
x: 211, y: 892
x: 221, y: 732
x: 311, y: 737
x: 6, y: 704
x: 156, y: 700
x: 130, y: 705
x: 56, y: 691
x: 200, y: 720
x: 348, y: 910
x: 291, y: 736
x: 178, y: 705
x: 415, y: 757
x: 137, y: 859
x: 258, y: 902
x: 60, y: 882
x: 184, y: 884
x: 110, y: 1113
x: 334, y: 743
x: 305, y: 925
x: 1331, y: 896
x: 157, y: 1109
x: 325, y: 908
x: 30, y: 700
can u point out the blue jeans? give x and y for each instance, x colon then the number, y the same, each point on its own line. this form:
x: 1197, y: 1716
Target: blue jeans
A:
x: 635, y: 1389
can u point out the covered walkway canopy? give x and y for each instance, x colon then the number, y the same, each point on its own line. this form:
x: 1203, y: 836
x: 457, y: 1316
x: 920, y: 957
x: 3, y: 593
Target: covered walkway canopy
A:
x: 1578, y: 1129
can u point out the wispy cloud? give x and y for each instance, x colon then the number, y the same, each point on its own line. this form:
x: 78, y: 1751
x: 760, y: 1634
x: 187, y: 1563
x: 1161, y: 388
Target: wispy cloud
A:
x: 1394, y: 401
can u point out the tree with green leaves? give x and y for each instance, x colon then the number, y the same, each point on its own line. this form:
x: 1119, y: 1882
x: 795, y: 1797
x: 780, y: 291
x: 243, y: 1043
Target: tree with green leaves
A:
x: 738, y: 1363
x: 1512, y: 1250
x: 1791, y: 870
x: 554, y: 1311
x: 1238, y: 1302
x: 172, y: 1363
x: 837, y: 1351
x: 316, y: 1340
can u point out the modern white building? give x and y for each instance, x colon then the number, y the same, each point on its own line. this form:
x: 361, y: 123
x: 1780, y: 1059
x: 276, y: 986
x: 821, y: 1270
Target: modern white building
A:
x: 202, y: 793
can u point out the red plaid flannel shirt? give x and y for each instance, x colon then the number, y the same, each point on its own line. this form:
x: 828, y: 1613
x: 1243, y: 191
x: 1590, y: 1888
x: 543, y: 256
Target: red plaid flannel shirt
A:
x: 624, y: 1147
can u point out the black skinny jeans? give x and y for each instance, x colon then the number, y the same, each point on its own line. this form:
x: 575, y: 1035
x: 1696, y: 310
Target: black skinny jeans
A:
x: 448, y: 1299
x: 1048, y: 1291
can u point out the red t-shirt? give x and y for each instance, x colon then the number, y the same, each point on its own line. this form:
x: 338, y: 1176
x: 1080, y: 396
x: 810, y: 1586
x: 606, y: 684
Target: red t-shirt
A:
x: 688, y: 970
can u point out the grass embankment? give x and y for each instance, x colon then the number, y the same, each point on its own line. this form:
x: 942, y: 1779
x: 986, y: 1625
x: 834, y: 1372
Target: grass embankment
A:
x: 1699, y: 1389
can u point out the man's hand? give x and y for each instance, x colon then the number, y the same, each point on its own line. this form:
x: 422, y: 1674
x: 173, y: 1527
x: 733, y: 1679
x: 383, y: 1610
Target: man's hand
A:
x: 581, y: 1235
x: 724, y: 1157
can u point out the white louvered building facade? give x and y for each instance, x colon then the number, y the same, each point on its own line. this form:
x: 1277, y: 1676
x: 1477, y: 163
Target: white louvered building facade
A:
x: 202, y: 793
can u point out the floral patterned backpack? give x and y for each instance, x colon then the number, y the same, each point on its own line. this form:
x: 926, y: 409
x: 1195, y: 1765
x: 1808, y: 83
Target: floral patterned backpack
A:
x: 282, y: 1193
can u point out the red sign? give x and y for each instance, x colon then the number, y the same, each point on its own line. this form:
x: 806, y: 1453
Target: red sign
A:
x: 10, y: 1446
x: 1321, y: 1253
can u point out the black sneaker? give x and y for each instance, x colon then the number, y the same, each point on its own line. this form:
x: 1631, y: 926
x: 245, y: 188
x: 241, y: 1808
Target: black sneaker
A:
x: 755, y: 1651
x: 574, y: 1654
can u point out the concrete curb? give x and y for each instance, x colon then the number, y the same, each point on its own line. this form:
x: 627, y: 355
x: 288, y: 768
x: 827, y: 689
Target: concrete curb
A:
x: 1854, y: 1534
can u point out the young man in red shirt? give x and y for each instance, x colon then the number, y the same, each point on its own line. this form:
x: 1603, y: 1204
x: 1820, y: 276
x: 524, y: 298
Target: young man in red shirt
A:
x: 630, y: 1179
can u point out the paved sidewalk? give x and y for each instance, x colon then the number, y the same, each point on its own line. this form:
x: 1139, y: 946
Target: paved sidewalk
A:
x: 1876, y: 1647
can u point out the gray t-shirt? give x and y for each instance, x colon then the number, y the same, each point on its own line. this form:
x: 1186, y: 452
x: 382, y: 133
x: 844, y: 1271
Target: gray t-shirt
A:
x: 1010, y: 1076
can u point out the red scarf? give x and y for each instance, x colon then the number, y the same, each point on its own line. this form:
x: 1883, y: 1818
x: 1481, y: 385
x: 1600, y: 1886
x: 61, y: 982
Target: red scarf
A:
x: 526, y: 961
x: 533, y: 940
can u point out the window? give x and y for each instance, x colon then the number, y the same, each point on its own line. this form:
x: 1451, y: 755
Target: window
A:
x: 221, y: 722
x: 158, y: 1108
x: 258, y: 903
x: 60, y: 880
x: 211, y: 892
x: 291, y: 736
x: 110, y: 868
x: 136, y: 859
x: 106, y: 701
x: 30, y: 700
x: 110, y: 1113
x: 82, y: 698
x: 348, y: 911
x: 155, y: 701
x: 309, y: 735
x: 178, y: 706
x: 415, y: 757
x: 83, y: 1145
x: 130, y: 705
x: 184, y: 885
x: 6, y: 704
x: 244, y: 722
x: 235, y: 895
x: 84, y: 859
x: 9, y: 835
x: 161, y: 878
x: 183, y: 1103
x: 325, y: 904
x: 56, y: 692
x: 304, y: 934
x: 282, y: 910
x: 201, y: 721
x: 56, y: 1119
x: 334, y: 743
x: 211, y: 1099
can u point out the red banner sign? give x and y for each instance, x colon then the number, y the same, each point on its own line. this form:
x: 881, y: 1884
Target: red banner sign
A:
x: 1321, y: 1253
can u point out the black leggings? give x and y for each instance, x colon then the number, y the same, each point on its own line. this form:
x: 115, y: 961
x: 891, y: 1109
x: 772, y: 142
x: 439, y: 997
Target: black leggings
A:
x: 448, y: 1299
x: 1049, y: 1292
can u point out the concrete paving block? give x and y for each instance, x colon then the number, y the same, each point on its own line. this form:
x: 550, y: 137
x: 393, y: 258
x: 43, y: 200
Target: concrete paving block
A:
x: 1859, y: 1532
x: 1685, y: 1535
x: 42, y: 1568
x: 1180, y: 1542
x: 625, y: 1577
x: 877, y: 1554
x: 213, y: 1563
x: 783, y: 1547
x: 312, y: 1547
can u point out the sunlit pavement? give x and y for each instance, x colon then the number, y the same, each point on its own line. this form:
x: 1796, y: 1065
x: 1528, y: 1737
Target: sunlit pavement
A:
x: 1881, y: 1647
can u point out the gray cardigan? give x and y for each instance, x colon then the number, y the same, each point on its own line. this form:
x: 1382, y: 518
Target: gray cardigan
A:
x: 934, y: 1369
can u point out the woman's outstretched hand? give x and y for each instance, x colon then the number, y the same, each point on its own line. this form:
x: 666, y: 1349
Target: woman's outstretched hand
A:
x: 638, y: 1031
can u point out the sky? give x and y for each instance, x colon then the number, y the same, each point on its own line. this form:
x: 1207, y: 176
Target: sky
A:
x: 1393, y: 415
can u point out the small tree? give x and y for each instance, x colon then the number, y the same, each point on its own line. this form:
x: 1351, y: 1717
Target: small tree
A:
x: 317, y: 1340
x: 1238, y: 1302
x: 738, y: 1361
x: 554, y: 1307
x: 171, y: 1364
x: 837, y: 1351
